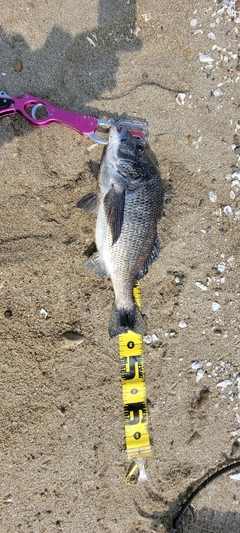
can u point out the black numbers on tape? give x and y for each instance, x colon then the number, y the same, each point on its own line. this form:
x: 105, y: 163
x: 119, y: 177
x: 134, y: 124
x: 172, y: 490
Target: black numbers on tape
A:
x: 133, y: 413
x: 130, y: 345
x: 130, y: 369
x: 137, y: 435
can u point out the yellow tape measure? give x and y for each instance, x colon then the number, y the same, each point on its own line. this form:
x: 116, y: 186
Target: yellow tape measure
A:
x: 134, y: 396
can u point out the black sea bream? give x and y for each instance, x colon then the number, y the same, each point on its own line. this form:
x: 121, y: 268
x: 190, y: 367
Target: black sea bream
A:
x: 128, y: 206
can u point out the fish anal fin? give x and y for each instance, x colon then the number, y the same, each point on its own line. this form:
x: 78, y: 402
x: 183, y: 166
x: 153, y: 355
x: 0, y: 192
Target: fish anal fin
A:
x: 114, y: 203
x: 95, y: 268
x: 151, y: 258
x: 89, y: 202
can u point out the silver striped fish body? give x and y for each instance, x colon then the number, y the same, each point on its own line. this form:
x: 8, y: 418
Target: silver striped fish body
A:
x: 124, y: 259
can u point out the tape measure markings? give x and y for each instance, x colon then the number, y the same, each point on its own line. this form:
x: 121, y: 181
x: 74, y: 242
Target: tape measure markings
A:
x: 134, y: 391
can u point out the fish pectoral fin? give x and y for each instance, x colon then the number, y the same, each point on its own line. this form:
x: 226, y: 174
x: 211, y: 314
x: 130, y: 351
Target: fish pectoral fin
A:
x: 151, y: 258
x: 95, y: 268
x: 114, y: 203
x: 89, y: 202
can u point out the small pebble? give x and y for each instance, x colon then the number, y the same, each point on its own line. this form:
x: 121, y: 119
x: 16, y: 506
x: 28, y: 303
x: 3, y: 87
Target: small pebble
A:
x: 17, y: 65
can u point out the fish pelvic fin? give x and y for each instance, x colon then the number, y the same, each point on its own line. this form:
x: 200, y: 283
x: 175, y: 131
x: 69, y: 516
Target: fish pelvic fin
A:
x: 151, y: 258
x: 89, y: 202
x: 123, y: 320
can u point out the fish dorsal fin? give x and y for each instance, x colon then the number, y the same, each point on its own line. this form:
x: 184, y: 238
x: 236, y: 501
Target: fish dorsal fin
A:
x: 89, y: 202
x: 114, y: 203
x: 151, y: 258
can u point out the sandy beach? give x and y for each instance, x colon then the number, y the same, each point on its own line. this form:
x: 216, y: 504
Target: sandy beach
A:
x: 175, y: 65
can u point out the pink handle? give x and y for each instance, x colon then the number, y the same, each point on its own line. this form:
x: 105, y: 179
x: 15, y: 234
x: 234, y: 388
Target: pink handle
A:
x: 83, y: 124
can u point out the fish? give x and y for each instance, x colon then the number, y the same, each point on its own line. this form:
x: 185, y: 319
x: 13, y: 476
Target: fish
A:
x: 128, y: 207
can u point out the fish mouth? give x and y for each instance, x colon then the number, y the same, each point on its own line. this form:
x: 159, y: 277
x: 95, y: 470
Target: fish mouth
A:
x: 137, y: 129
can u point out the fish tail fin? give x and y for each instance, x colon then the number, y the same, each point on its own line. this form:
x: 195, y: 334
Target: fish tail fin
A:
x: 124, y: 319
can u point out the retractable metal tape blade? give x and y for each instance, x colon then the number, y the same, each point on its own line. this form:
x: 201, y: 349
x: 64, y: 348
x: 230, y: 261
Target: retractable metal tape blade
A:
x: 134, y: 397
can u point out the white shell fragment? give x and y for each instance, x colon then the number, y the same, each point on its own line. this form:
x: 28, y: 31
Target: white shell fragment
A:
x: 205, y: 58
x: 238, y: 386
x: 235, y: 476
x: 217, y: 92
x: 180, y: 98
x: 182, y: 324
x: 215, y: 306
x: 150, y: 338
x: 193, y: 22
x: 228, y: 210
x: 196, y: 365
x: 224, y: 384
x: 211, y: 36
x: 212, y: 196
x: 221, y: 267
x: 146, y: 16
x: 91, y: 41
x: 199, y: 375
x: 43, y: 313
x: 201, y: 286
